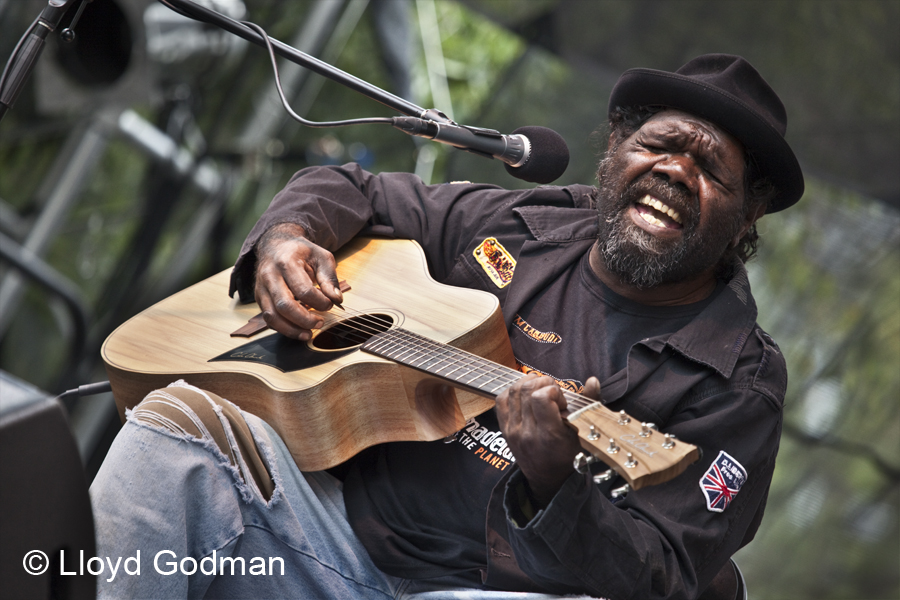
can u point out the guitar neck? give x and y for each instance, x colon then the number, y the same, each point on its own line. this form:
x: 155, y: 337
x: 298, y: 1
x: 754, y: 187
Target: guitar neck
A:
x: 457, y: 367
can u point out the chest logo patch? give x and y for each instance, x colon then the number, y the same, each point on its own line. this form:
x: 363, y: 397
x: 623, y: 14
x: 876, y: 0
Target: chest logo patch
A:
x: 722, y: 481
x: 496, y: 261
x: 545, y: 337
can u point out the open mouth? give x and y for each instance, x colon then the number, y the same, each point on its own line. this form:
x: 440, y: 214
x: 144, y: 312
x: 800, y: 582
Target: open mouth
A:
x: 655, y: 212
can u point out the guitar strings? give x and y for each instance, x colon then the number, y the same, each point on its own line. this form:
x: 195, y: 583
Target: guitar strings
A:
x: 573, y: 399
x: 375, y: 325
x: 366, y: 325
x: 473, y: 363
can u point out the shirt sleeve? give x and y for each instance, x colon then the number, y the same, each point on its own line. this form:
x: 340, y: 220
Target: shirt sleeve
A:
x: 663, y: 541
x: 334, y: 204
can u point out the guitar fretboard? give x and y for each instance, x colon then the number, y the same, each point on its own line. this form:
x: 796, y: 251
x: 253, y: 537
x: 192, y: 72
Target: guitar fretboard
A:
x: 451, y: 364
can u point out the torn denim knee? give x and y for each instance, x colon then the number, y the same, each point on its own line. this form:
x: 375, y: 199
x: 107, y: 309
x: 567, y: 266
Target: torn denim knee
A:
x: 192, y: 414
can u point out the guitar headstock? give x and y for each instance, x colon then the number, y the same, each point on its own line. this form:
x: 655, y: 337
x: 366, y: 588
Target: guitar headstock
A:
x: 636, y: 451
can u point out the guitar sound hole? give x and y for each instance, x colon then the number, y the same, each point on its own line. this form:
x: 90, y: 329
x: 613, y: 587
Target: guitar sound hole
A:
x: 352, y: 332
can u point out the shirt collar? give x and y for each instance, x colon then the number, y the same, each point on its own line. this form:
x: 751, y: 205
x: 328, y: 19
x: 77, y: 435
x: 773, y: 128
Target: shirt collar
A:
x: 716, y: 336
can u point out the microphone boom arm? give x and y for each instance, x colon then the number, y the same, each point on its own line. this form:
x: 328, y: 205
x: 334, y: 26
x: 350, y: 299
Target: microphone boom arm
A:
x: 201, y: 13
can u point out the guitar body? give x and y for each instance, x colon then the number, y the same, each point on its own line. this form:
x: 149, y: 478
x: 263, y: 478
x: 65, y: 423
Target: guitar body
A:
x: 330, y: 411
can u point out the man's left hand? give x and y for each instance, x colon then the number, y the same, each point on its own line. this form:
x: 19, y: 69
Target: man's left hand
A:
x: 532, y: 417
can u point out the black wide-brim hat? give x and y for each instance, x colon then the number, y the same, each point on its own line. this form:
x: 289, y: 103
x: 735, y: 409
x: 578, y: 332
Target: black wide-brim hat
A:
x: 726, y: 90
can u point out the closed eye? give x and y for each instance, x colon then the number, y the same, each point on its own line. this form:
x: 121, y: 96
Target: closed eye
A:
x: 713, y: 176
x: 653, y: 149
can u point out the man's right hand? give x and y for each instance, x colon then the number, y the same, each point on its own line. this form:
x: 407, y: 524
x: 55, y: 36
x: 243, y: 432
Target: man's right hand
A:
x: 289, y: 268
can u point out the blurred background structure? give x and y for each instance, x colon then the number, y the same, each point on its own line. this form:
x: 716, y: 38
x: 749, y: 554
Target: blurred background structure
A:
x: 140, y: 155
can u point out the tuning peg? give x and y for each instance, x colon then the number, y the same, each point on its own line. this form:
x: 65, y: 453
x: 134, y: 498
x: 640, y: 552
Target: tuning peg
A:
x: 620, y: 491
x: 583, y: 461
x: 631, y: 462
x: 669, y: 442
x: 604, y: 476
x: 592, y: 434
x: 623, y: 418
x: 647, y: 429
x: 612, y: 448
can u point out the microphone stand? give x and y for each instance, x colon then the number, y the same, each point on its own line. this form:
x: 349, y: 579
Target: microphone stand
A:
x: 201, y: 13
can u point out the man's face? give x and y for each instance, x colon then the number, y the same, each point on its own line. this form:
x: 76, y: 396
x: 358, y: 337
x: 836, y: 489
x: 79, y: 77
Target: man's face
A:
x: 671, y: 200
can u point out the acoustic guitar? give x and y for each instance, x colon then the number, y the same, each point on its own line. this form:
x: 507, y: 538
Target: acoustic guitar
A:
x: 407, y: 359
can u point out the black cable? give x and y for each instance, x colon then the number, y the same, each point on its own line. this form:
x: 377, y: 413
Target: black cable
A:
x: 284, y: 102
x: 88, y: 389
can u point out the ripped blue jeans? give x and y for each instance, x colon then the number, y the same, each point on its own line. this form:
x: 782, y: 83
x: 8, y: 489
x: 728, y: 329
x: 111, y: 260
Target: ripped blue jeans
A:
x: 177, y: 518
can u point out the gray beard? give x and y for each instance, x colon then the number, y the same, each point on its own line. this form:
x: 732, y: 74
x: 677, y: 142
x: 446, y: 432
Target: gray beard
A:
x: 636, y: 257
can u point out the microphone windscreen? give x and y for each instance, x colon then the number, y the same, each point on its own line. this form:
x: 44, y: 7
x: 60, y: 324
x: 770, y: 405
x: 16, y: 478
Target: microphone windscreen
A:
x: 549, y: 156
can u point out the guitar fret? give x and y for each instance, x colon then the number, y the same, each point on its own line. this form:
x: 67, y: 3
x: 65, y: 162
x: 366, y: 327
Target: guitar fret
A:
x: 454, y: 361
x: 430, y: 362
x: 480, y: 368
x: 492, y: 368
x: 502, y: 387
x: 445, y: 350
x: 376, y: 343
x: 449, y: 373
x: 403, y: 352
x: 411, y: 343
x: 424, y: 358
x: 488, y: 375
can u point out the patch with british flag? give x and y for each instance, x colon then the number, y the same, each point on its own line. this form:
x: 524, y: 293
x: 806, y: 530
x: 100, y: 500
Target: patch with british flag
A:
x: 722, y: 481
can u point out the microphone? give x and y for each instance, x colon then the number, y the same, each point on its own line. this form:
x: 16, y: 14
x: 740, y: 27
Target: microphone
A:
x: 534, y: 154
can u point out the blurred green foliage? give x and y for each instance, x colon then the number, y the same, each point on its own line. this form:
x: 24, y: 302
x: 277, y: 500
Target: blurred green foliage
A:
x: 827, y: 281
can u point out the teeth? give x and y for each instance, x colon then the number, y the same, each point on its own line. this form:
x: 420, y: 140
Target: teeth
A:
x: 654, y: 203
x: 652, y: 220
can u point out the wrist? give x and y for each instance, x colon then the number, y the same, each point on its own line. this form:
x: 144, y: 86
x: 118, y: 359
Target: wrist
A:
x: 281, y: 231
x: 276, y: 234
x: 540, y: 494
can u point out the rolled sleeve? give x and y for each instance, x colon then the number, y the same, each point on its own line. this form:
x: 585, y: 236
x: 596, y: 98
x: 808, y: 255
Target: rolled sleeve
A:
x: 334, y: 204
x: 579, y: 542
